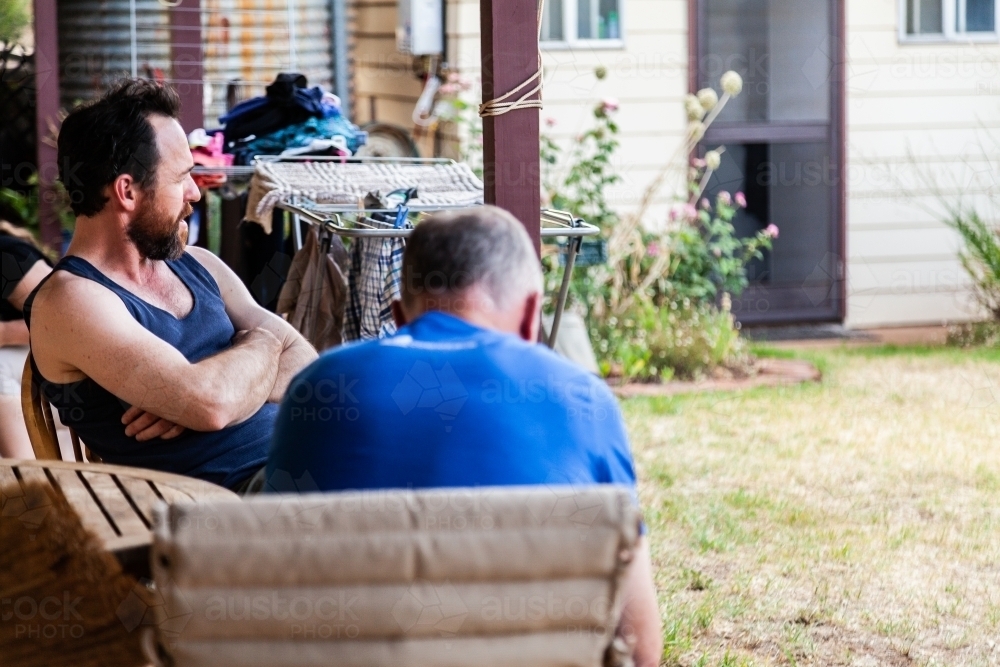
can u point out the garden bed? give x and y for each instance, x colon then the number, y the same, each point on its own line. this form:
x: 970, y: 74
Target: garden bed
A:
x: 763, y: 373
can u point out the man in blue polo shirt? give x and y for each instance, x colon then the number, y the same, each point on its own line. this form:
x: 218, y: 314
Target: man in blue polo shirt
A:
x: 461, y: 395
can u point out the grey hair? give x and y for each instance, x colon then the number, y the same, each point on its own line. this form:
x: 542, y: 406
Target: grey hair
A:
x: 487, y: 247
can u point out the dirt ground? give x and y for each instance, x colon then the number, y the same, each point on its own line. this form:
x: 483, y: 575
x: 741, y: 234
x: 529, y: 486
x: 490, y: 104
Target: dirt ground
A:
x: 851, y: 522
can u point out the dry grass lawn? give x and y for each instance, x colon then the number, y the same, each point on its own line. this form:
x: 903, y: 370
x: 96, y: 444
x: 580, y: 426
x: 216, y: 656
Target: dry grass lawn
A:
x: 853, y: 522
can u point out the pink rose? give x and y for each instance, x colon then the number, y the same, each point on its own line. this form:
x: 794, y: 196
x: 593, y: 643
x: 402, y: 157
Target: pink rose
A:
x: 690, y: 212
x: 550, y: 122
x: 725, y: 198
x: 610, y: 104
x: 741, y: 200
x: 705, y: 204
x: 653, y: 249
x: 771, y: 230
x: 698, y: 163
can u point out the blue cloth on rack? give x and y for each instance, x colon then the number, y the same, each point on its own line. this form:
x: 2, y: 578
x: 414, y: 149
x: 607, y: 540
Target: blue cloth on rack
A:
x: 243, y: 108
x: 302, y: 134
x: 288, y: 101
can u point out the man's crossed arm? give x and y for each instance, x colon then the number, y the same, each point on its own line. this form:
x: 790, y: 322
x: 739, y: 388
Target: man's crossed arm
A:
x: 86, y: 331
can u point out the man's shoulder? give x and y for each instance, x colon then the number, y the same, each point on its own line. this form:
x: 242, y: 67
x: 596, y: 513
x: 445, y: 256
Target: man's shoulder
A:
x: 67, y: 292
x: 538, y: 359
x: 344, y: 358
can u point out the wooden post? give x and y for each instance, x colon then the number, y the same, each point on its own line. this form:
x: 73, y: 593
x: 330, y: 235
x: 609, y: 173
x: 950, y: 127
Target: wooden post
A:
x: 512, y: 173
x: 186, y: 60
x: 46, y: 113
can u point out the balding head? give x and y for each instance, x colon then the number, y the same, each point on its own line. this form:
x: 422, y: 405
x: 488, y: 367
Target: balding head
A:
x: 478, y: 264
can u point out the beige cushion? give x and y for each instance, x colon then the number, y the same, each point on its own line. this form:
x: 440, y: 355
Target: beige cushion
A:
x: 494, y: 576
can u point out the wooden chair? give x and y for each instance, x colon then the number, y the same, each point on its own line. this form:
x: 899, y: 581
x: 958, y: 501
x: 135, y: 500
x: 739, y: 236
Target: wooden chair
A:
x: 484, y: 577
x: 40, y: 423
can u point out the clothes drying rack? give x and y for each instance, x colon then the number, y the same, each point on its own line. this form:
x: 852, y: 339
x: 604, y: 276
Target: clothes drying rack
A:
x: 349, y: 221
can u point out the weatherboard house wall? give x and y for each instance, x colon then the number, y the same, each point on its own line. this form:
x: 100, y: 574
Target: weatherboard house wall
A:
x: 922, y: 130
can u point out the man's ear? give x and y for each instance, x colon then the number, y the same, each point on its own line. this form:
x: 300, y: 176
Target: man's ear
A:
x: 398, y: 315
x: 125, y: 191
x: 531, y: 315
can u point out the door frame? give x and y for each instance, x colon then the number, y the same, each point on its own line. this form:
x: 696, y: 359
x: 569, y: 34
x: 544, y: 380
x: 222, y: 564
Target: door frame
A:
x: 697, y: 26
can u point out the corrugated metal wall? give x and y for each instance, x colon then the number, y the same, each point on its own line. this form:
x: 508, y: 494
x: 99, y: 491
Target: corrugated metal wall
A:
x: 95, y: 44
x: 250, y: 40
x: 254, y: 40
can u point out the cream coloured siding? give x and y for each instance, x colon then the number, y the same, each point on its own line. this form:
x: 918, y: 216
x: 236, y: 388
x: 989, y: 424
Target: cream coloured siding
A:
x: 916, y: 113
x: 385, y: 87
x: 913, y: 110
x: 648, y: 76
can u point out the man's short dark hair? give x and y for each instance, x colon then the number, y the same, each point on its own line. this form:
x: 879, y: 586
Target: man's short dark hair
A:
x: 486, y: 246
x: 111, y: 136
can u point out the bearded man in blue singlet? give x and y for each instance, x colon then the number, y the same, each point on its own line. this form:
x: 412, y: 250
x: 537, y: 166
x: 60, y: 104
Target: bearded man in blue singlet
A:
x: 155, y: 353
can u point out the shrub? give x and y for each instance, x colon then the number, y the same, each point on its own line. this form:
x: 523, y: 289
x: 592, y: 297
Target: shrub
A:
x: 980, y: 257
x: 683, y: 339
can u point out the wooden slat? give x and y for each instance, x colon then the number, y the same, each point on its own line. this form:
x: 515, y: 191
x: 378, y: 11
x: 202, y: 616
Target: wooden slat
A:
x: 33, y: 474
x: 91, y: 516
x: 171, y: 494
x: 8, y: 479
x: 115, y: 504
x: 142, y: 495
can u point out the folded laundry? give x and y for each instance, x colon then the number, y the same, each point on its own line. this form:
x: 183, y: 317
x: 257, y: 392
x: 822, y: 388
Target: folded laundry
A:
x: 302, y: 134
x: 288, y: 101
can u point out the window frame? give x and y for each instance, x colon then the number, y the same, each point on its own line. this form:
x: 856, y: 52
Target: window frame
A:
x: 570, y: 40
x: 949, y: 15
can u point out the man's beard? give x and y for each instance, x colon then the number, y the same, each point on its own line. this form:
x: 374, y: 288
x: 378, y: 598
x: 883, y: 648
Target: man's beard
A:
x: 157, y: 235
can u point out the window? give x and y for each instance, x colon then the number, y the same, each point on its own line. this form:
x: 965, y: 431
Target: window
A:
x: 569, y: 21
x: 949, y: 19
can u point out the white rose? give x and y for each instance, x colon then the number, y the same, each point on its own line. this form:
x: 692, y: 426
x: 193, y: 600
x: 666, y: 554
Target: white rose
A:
x: 708, y: 98
x: 713, y: 159
x: 693, y: 108
x: 732, y: 83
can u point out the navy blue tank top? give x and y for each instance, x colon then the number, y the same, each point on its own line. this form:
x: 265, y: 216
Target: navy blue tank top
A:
x: 227, y: 457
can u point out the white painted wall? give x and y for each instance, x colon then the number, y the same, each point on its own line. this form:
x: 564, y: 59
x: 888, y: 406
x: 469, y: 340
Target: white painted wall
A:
x: 915, y: 113
x: 921, y: 117
x: 648, y: 76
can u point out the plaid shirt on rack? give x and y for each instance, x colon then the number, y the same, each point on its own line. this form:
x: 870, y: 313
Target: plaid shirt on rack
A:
x: 374, y: 282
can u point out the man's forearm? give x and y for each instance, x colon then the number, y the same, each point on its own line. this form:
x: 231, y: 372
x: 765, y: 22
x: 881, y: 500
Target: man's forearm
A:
x: 640, y: 623
x: 14, y: 332
x: 238, y: 381
x: 294, y: 358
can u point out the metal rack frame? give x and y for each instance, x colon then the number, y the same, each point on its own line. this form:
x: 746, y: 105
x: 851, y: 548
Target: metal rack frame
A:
x: 333, y: 219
